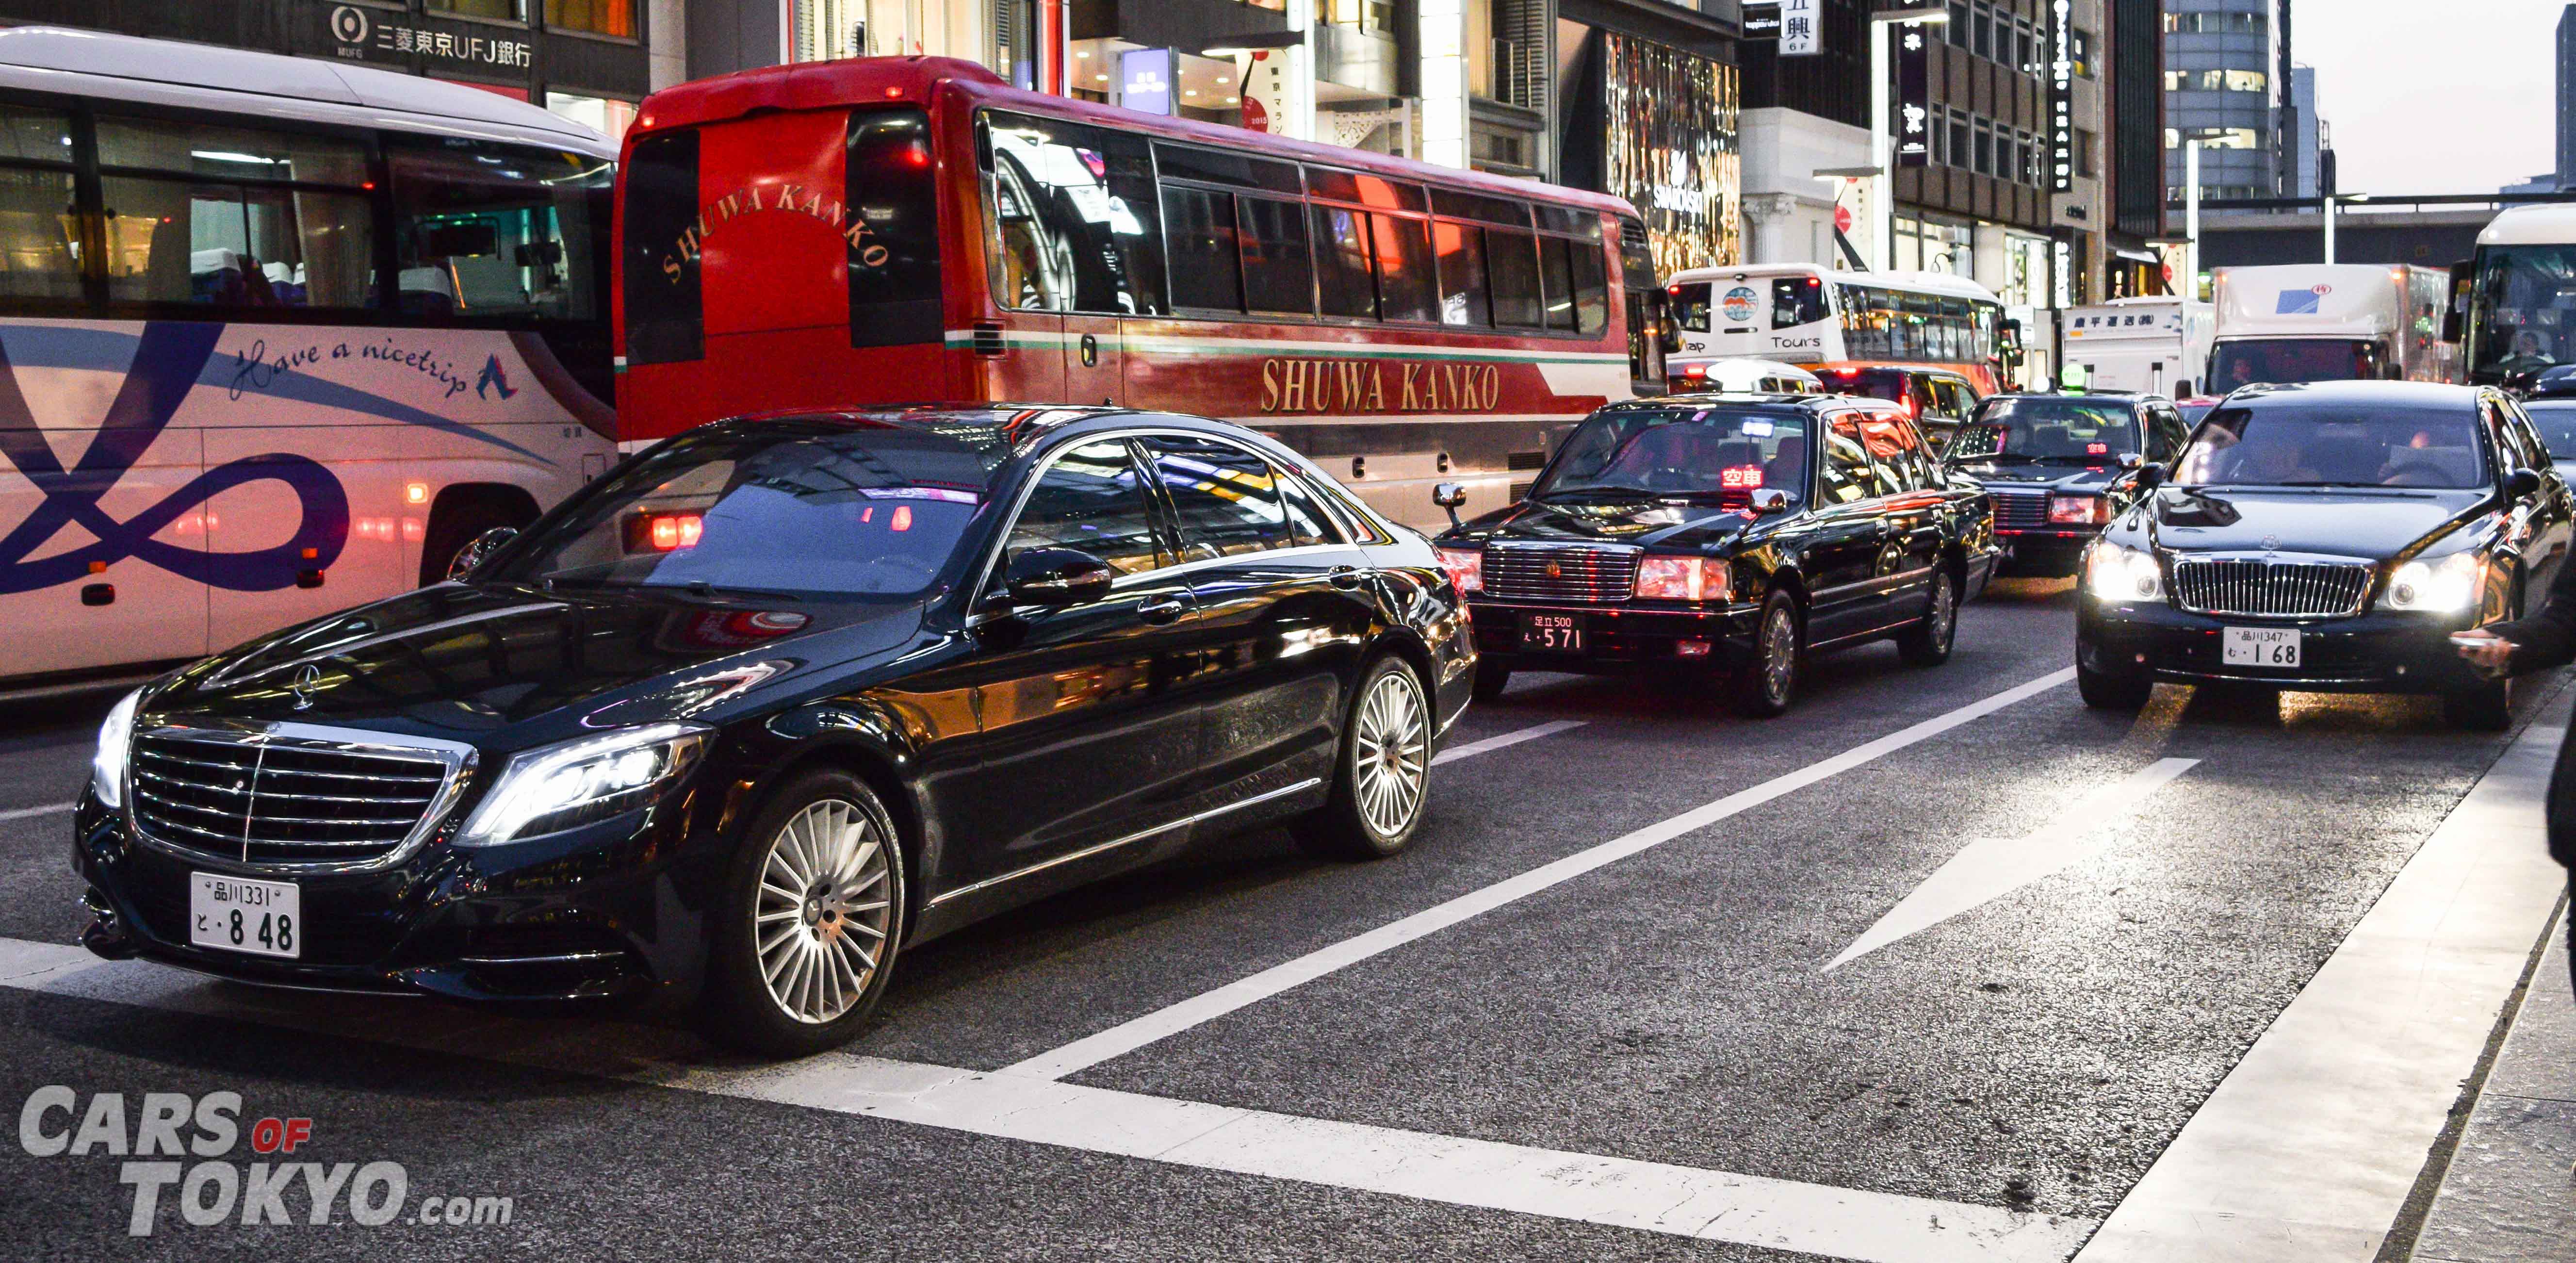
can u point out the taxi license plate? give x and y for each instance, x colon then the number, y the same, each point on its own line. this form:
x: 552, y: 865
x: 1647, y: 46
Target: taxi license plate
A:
x: 242, y: 914
x: 2260, y: 646
x: 1559, y: 633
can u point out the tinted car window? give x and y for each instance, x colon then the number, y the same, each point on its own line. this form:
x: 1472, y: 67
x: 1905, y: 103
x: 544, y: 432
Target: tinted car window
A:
x: 2166, y: 433
x: 1228, y: 499
x: 1722, y: 453
x: 815, y: 512
x: 1848, y: 472
x: 2045, y: 428
x: 1873, y: 383
x: 2321, y: 445
x: 1896, y: 449
x: 2556, y: 421
x: 1092, y: 499
x: 1307, y: 520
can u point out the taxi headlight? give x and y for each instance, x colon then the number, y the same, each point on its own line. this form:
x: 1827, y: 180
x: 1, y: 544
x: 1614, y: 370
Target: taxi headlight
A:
x: 115, y: 742
x: 557, y: 787
x: 2445, y: 586
x: 2117, y: 572
x: 1682, y: 579
x: 2078, y: 510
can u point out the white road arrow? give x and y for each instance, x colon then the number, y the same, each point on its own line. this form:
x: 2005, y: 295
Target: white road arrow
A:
x: 1991, y: 868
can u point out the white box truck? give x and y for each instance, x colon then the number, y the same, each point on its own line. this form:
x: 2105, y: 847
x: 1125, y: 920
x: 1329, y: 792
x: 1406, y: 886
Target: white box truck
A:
x: 2307, y: 322
x: 2159, y: 345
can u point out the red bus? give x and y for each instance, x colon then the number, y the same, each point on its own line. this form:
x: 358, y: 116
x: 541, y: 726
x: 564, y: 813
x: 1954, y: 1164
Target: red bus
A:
x: 891, y: 230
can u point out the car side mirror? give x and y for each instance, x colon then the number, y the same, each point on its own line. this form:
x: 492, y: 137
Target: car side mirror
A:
x: 2150, y: 477
x: 1770, y: 500
x: 1056, y: 577
x: 2131, y: 460
x: 2521, y: 483
x: 1449, y: 495
x: 477, y: 550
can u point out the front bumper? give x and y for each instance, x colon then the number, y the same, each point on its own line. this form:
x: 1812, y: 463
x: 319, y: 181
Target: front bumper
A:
x: 1620, y: 636
x: 610, y: 910
x: 2373, y: 652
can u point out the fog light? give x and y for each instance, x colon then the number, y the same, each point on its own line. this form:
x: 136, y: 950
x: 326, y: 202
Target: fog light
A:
x: 1690, y: 649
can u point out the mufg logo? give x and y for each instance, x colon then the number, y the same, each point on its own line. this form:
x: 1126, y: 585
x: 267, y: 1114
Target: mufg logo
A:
x: 168, y: 361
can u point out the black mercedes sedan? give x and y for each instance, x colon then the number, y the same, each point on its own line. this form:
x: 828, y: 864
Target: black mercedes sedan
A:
x: 2327, y: 537
x: 2061, y: 466
x: 1726, y: 534
x: 776, y: 699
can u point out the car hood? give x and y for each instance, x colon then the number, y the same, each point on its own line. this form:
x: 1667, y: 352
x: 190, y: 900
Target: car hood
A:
x: 1646, y: 523
x: 2068, y: 478
x: 2374, y: 524
x: 506, y: 667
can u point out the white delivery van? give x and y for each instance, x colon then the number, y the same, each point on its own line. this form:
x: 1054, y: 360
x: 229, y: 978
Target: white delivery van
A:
x: 2306, y: 322
x: 2158, y: 345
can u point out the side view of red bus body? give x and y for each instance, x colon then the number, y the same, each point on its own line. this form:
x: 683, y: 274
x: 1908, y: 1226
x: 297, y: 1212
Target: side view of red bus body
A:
x: 893, y: 230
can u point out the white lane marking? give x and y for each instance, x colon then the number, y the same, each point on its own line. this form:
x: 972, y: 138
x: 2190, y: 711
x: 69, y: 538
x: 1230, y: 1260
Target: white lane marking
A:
x: 1498, y: 741
x: 22, y: 813
x: 1656, y: 1197
x: 1987, y: 869
x: 2312, y: 1143
x: 1131, y: 1035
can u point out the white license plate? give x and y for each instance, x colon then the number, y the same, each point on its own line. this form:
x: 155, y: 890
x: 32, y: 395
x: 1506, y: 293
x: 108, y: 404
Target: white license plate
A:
x: 2260, y: 646
x: 242, y: 914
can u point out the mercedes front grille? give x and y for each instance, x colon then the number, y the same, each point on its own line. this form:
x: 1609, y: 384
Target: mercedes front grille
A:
x: 292, y: 795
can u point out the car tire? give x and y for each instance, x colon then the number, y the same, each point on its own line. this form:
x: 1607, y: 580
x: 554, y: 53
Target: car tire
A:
x: 1768, y: 684
x: 2486, y: 707
x: 1927, y: 643
x: 826, y: 834
x: 1381, y: 769
x: 2103, y: 691
x: 1491, y: 679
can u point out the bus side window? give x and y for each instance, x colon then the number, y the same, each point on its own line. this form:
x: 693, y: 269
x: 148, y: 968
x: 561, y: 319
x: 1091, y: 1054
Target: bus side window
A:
x: 1643, y: 302
x: 200, y: 213
x: 39, y: 245
x: 1199, y: 237
x: 1591, y: 287
x: 1464, y: 299
x: 1074, y: 220
x: 1278, y: 273
x: 1405, y: 289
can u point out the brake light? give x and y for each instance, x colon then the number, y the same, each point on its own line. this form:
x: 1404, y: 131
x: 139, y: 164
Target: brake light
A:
x: 663, y: 532
x: 1466, y: 567
x: 1740, y: 478
x: 1695, y: 370
x: 2078, y: 510
x: 1683, y: 579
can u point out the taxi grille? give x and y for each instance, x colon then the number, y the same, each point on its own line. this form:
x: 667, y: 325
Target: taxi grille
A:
x: 283, y: 801
x: 1579, y: 574
x: 2281, y: 589
x: 2020, y: 510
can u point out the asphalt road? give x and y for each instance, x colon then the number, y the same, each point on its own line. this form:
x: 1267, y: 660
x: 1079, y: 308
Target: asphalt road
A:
x: 2029, y: 1054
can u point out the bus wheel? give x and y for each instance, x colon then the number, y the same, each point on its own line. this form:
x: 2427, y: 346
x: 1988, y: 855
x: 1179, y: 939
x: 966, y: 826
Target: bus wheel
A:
x: 461, y: 514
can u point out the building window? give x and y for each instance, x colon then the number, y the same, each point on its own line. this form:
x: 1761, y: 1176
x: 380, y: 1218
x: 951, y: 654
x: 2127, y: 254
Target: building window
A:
x: 599, y: 17
x: 608, y: 116
x: 2081, y: 42
x: 2084, y: 154
x: 2215, y: 23
x: 1985, y: 164
x: 1959, y: 138
x: 504, y: 10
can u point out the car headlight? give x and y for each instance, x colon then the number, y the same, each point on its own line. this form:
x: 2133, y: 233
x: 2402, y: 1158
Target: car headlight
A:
x: 2440, y: 587
x: 1466, y: 567
x: 2078, y: 510
x: 1684, y: 579
x: 2117, y: 572
x: 577, y: 782
x: 115, y: 742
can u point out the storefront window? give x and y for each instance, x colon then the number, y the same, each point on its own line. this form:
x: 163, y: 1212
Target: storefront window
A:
x: 599, y: 17
x: 505, y: 10
x: 608, y: 116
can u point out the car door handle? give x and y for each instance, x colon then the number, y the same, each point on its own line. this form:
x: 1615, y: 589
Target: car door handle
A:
x: 1160, y: 612
x: 1344, y: 576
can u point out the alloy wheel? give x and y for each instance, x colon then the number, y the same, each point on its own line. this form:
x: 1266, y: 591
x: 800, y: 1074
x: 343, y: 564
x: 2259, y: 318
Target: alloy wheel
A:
x: 1390, y: 753
x: 1945, y: 610
x: 824, y: 911
x: 1779, y: 654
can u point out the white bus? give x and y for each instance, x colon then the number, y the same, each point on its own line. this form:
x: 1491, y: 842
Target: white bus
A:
x: 1813, y: 316
x: 280, y: 335
x: 2310, y: 322
x: 2518, y: 296
x: 2158, y: 344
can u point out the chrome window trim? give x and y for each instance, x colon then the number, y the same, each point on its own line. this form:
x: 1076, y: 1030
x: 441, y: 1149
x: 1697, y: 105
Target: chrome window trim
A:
x: 1114, y: 843
x: 458, y: 759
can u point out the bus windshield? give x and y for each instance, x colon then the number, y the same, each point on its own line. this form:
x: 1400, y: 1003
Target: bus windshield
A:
x: 2518, y: 310
x: 1721, y: 454
x: 792, y: 510
x: 2312, y: 445
x: 2282, y: 361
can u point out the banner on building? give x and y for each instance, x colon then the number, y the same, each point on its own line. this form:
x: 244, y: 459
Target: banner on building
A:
x: 1145, y: 78
x: 1672, y: 150
x: 1801, y: 33
x: 1912, y: 125
x: 2061, y: 97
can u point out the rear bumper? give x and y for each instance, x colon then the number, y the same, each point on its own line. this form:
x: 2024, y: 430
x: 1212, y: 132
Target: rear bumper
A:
x: 2368, y: 653
x: 2053, y: 551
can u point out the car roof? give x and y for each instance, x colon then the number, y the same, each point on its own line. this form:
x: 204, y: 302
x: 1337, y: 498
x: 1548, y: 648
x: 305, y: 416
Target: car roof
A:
x: 2085, y: 396
x: 2411, y: 393
x: 1808, y: 400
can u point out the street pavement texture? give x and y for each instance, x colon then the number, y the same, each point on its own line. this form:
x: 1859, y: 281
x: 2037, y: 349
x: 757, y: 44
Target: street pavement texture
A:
x: 1940, y: 965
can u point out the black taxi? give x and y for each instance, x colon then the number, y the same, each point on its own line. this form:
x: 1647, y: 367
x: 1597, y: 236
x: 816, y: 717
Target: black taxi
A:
x: 2060, y: 467
x: 1728, y: 534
